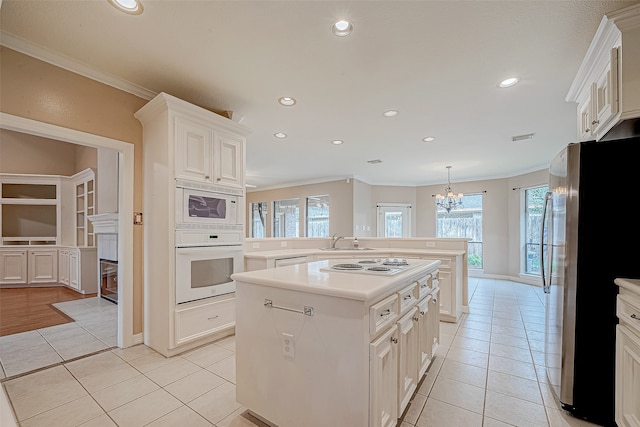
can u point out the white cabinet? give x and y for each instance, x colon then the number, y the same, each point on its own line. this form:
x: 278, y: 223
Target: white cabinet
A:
x: 409, y: 353
x: 187, y: 145
x: 449, y: 280
x: 13, y: 266
x: 199, y: 320
x: 383, y: 379
x: 78, y: 269
x: 84, y: 185
x: 606, y: 87
x: 42, y: 266
x: 208, y: 156
x: 627, y: 382
x: 63, y: 266
x: 194, y: 150
x: 229, y: 159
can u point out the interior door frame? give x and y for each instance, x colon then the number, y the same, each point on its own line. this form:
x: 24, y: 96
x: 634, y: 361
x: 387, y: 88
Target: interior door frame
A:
x: 381, y: 208
x: 125, y: 205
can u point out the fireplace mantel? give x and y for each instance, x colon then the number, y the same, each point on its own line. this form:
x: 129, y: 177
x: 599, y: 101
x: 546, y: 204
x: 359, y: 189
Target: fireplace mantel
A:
x: 106, y: 223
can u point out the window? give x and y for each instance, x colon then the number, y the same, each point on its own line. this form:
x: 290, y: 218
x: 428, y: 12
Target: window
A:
x: 394, y: 220
x: 533, y: 203
x: 258, y: 219
x: 464, y: 222
x: 286, y: 218
x: 318, y: 216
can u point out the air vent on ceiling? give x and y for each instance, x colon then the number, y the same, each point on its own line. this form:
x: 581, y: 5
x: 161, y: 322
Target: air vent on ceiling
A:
x: 373, y: 162
x: 522, y: 137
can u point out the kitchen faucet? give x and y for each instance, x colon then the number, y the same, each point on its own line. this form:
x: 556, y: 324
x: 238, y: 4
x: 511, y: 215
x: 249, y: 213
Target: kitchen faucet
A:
x: 334, y: 240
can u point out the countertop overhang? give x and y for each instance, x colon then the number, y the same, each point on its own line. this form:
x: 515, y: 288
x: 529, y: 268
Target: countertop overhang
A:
x: 310, y: 278
x: 374, y: 252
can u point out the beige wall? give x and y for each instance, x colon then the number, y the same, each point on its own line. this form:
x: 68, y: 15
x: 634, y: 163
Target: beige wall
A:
x: 23, y: 153
x: 40, y: 91
x: 501, y: 211
x: 340, y: 203
x: 364, y: 224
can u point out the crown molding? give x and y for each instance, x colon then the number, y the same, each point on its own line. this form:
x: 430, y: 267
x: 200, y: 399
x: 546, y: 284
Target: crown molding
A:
x: 59, y: 60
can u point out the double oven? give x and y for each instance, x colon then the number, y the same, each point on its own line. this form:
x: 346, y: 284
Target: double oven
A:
x: 209, y: 239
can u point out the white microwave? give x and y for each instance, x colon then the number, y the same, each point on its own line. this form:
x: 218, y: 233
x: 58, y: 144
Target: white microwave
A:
x: 205, y: 207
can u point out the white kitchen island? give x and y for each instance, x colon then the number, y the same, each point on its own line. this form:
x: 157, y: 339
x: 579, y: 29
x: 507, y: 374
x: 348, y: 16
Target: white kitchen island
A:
x: 319, y: 347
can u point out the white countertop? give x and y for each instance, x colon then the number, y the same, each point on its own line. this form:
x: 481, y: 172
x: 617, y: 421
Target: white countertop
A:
x: 631, y: 284
x: 311, y: 279
x: 290, y: 253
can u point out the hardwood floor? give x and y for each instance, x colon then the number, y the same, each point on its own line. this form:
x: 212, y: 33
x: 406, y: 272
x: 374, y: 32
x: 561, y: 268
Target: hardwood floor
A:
x: 27, y: 309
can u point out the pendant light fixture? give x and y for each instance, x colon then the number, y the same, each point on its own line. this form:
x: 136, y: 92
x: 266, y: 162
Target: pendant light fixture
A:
x: 449, y: 201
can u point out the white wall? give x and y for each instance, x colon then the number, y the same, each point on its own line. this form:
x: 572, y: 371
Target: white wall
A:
x: 363, y: 212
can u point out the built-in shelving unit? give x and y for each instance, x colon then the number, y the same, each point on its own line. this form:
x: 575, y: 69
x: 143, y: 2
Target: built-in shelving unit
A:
x: 85, y: 207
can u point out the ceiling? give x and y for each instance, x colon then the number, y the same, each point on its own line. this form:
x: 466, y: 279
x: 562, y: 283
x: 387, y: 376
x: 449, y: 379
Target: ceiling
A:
x: 438, y: 63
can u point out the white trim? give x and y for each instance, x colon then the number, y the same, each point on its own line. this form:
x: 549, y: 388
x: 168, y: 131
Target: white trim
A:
x: 125, y: 201
x: 69, y: 64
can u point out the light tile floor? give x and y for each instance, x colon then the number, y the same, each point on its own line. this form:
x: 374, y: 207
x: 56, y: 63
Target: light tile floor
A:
x: 95, y: 328
x: 489, y: 371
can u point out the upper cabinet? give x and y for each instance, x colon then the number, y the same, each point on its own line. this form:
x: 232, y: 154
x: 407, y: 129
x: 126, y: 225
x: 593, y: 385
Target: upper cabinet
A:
x: 206, y: 148
x: 606, y: 87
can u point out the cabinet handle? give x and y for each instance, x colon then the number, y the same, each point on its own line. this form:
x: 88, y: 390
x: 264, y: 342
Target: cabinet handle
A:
x: 633, y: 316
x: 595, y: 122
x: 385, y: 313
x: 218, y: 179
x: 394, y: 340
x: 422, y: 313
x: 206, y: 177
x: 406, y: 297
x: 415, y: 319
x: 214, y: 317
x: 587, y: 130
x: 435, y: 300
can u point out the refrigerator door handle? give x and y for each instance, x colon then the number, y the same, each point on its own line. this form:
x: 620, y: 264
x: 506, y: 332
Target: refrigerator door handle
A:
x: 548, y: 198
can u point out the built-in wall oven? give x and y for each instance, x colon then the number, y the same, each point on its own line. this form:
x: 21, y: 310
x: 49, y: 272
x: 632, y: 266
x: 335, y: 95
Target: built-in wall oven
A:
x: 205, y: 261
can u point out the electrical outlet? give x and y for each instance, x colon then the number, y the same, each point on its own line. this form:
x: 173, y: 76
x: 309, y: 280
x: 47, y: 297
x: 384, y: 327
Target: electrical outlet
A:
x: 431, y: 244
x: 288, y: 345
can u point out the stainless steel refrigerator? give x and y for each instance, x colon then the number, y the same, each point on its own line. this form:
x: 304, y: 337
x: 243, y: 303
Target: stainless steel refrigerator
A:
x: 590, y: 236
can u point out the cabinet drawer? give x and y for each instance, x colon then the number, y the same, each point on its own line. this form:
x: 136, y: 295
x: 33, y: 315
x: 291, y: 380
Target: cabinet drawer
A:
x: 196, y: 322
x: 408, y: 297
x: 424, y: 286
x: 628, y: 311
x: 383, y: 314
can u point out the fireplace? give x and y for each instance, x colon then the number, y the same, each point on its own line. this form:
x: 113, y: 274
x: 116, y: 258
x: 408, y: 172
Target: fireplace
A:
x: 109, y: 280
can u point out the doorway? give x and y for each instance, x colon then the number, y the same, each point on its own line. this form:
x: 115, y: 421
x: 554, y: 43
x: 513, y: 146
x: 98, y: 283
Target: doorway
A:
x: 394, y: 219
x: 125, y: 202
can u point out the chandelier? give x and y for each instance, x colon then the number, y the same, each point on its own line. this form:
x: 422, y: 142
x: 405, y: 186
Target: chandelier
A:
x: 449, y: 201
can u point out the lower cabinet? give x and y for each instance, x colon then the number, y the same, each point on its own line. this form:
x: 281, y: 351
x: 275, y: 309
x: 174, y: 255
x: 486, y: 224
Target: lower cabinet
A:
x: 78, y: 269
x: 43, y: 266
x: 383, y: 379
x: 400, y: 357
x: 13, y: 266
x: 627, y: 389
x: 198, y: 320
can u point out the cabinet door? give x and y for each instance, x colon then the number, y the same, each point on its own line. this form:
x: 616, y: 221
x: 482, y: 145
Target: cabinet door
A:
x: 447, y: 296
x: 434, y: 321
x: 408, y: 358
x: 13, y: 267
x: 425, y: 332
x: 585, y: 114
x: 606, y: 100
x: 229, y: 160
x: 43, y: 266
x: 63, y: 267
x: 627, y: 377
x: 194, y: 145
x: 383, y: 380
x: 74, y: 269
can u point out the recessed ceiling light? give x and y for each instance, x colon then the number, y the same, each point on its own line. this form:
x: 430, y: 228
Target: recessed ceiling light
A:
x: 337, y: 142
x: 509, y: 82
x: 280, y: 135
x: 287, y: 101
x: 133, y: 7
x: 428, y: 138
x: 522, y: 137
x: 390, y: 113
x: 342, y: 28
